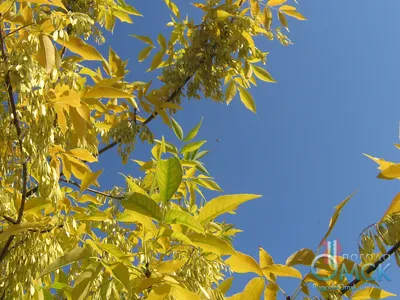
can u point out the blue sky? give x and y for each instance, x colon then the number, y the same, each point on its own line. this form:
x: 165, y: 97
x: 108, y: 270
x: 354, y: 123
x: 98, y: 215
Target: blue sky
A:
x: 336, y: 98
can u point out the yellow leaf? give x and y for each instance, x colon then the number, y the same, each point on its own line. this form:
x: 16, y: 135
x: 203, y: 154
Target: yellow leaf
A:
x: 265, y: 260
x: 275, y: 2
x: 130, y: 216
x: 242, y: 263
x: 78, y: 46
x: 18, y: 228
x: 225, y: 285
x: 162, y: 41
x: 88, y: 198
x: 64, y: 95
x: 106, y: 92
x: 254, y: 289
x: 282, y: 270
x: 159, y: 292
x: 61, y: 120
x: 83, y: 154
x: 144, y: 53
x: 282, y: 19
x: 247, y: 99
x: 172, y: 6
x: 80, y: 126
x: 170, y: 266
x: 335, y: 217
x: 250, y: 41
x: 181, y: 293
x: 371, y: 293
x: 292, y: 12
x: 157, y: 60
x: 223, y: 204
x: 271, y: 291
x: 222, y: 15
x: 394, y: 206
x: 46, y: 2
x: 230, y: 91
x: 89, y: 178
x: 145, y: 39
x: 383, y: 164
x: 262, y: 74
x: 302, y: 257
x: 211, y: 243
x: 46, y: 55
x: 84, y: 112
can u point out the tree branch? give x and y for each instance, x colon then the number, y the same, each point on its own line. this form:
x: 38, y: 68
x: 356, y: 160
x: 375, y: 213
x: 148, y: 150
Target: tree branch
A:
x: 150, y: 118
x: 372, y: 268
x: 92, y: 190
x: 19, y: 137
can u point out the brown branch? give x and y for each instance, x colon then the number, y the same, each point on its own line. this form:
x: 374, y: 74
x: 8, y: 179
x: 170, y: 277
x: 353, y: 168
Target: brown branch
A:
x: 19, y: 137
x: 9, y: 219
x: 372, y: 268
x: 92, y: 190
x: 150, y: 118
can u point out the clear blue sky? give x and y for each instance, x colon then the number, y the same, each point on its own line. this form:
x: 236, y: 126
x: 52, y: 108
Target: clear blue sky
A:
x: 336, y: 98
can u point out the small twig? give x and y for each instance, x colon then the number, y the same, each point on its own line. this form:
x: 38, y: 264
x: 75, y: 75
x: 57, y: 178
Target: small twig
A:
x: 9, y: 219
x: 18, y: 29
x: 372, y: 268
x: 150, y: 118
x: 92, y: 190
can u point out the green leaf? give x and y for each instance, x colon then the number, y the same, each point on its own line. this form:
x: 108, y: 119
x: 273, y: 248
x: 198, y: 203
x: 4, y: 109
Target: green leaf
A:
x: 193, y: 133
x: 144, y: 53
x: 174, y: 216
x: 169, y: 177
x: 247, y: 99
x: 78, y: 46
x: 143, y: 205
x: 223, y: 204
x: 211, y: 243
x: 193, y: 146
x: 75, y: 255
x: 177, y: 129
x: 263, y: 74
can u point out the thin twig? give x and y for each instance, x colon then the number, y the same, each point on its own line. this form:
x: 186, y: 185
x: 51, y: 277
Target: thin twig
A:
x: 151, y: 117
x: 92, y: 190
x: 372, y: 268
x: 18, y: 29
